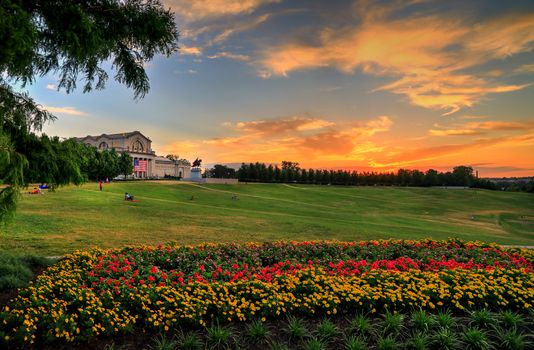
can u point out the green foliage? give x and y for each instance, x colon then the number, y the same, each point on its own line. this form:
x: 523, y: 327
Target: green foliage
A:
x: 421, y: 321
x: 315, y: 344
x: 445, y: 339
x: 71, y: 40
x: 361, y: 325
x: 222, y: 171
x: 189, y: 341
x: 392, y: 322
x: 475, y: 339
x: 419, y: 341
x: 354, y: 343
x: 512, y: 340
x: 510, y: 319
x: 16, y: 271
x: 295, y: 328
x: 125, y: 164
x: 326, y: 330
x: 163, y: 343
x: 482, y: 318
x: 444, y: 319
x: 257, y: 331
x: 219, y: 337
x: 386, y: 343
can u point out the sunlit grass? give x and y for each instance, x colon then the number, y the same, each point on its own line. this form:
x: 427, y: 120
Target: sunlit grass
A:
x: 79, y: 217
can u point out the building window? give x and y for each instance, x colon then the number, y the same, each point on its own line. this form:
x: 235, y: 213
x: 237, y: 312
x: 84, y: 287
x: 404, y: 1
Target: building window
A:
x: 137, y: 146
x: 103, y: 145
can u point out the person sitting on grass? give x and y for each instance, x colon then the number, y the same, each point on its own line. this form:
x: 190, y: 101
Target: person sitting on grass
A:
x: 128, y: 197
x: 35, y: 191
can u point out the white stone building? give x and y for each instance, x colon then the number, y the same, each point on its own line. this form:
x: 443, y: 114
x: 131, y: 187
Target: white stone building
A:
x: 139, y: 148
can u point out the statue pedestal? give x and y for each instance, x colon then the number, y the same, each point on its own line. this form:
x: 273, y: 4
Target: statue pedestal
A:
x: 196, y: 174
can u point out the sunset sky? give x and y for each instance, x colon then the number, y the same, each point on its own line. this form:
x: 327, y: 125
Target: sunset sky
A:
x: 365, y: 85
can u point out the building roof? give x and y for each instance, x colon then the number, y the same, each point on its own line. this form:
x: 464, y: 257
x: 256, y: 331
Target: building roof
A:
x: 115, y: 136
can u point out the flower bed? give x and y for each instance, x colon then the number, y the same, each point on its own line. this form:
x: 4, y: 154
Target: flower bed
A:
x: 153, y: 289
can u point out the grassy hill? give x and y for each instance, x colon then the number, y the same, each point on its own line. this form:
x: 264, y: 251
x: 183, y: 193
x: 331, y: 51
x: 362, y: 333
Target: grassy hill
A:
x: 79, y: 217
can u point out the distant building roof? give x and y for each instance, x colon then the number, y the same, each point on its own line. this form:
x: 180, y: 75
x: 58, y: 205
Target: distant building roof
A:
x: 114, y: 136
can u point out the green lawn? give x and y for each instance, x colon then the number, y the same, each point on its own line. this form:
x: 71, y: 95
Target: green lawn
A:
x: 80, y: 217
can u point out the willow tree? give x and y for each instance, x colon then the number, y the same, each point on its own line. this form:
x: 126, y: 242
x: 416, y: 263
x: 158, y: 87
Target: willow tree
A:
x: 70, y: 39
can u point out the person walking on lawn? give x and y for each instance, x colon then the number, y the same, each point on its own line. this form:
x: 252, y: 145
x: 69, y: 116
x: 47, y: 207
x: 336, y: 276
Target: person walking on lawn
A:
x: 100, y: 185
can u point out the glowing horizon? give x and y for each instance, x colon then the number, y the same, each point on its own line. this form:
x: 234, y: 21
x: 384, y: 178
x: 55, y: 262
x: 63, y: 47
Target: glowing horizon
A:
x: 364, y: 85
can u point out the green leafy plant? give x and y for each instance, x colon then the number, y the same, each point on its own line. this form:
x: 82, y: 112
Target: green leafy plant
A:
x: 418, y: 341
x: 189, y: 341
x: 163, y: 343
x: 421, y: 321
x: 296, y: 328
x: 392, y: 323
x: 361, y: 325
x: 219, y: 337
x: 315, y: 344
x: 445, y: 339
x: 354, y: 343
x: 444, y: 319
x: 387, y: 343
x: 482, y: 318
x: 510, y: 319
x: 512, y: 339
x: 326, y: 330
x: 475, y: 339
x: 257, y: 331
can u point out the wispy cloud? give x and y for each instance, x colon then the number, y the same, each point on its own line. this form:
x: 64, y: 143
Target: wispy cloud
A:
x: 65, y: 111
x: 428, y: 54
x: 51, y: 87
x: 202, y: 9
x: 229, y: 55
x: 478, y: 128
x: 190, y: 50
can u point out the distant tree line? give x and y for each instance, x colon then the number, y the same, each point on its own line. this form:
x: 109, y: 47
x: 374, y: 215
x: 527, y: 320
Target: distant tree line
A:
x: 290, y: 172
x: 60, y: 162
x: 514, y: 184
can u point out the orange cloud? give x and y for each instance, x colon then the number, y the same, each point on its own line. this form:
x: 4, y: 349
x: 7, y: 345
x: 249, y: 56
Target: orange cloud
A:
x: 454, y: 132
x: 498, y: 125
x: 65, y: 111
x: 425, y: 53
x: 474, y: 128
x: 282, y: 125
x: 190, y: 50
x: 417, y: 156
x: 295, y: 137
x: 201, y: 9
